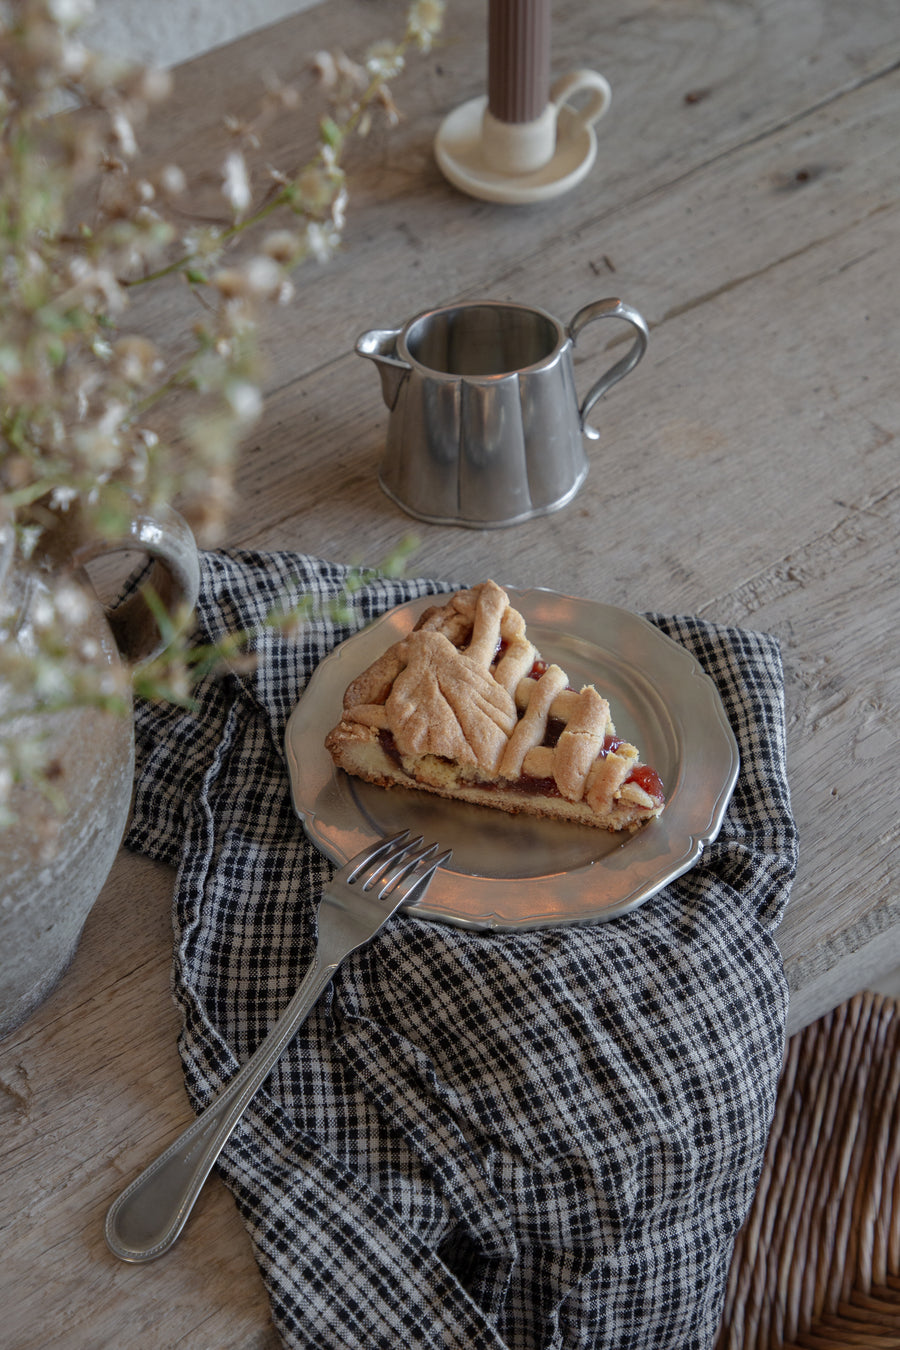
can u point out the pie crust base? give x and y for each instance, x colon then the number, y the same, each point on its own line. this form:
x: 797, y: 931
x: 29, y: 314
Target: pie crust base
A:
x: 464, y: 707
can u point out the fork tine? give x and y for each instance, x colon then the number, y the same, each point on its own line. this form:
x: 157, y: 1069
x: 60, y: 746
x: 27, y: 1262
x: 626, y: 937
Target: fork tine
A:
x: 371, y: 876
x: 393, y: 866
x: 413, y: 878
x: 399, y: 867
x: 372, y: 852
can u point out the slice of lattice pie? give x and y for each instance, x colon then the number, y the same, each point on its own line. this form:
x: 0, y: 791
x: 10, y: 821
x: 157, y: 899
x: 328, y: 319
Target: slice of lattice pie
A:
x: 465, y: 707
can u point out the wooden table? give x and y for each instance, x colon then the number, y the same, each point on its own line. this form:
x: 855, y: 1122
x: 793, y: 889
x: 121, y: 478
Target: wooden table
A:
x: 745, y: 200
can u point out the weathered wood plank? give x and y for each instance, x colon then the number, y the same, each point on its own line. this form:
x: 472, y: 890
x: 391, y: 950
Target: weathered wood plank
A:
x: 412, y: 240
x: 90, y: 1089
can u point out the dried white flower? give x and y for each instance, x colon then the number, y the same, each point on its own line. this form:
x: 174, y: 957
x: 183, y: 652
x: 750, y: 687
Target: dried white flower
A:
x: 339, y: 209
x: 388, y: 106
x: 71, y: 13
x: 72, y: 605
x: 325, y: 66
x: 282, y: 245
x: 137, y: 359
x: 74, y: 59
x: 61, y: 498
x: 231, y: 283
x: 172, y: 181
x: 28, y: 539
x: 424, y: 22
x: 124, y: 135
x: 43, y: 613
x: 95, y: 287
x: 153, y: 84
x: 315, y: 187
x: 384, y: 60
x: 112, y: 417
x: 322, y: 241
x: 51, y: 684
x: 263, y: 276
x: 244, y: 399
x: 236, y: 182
x: 204, y: 244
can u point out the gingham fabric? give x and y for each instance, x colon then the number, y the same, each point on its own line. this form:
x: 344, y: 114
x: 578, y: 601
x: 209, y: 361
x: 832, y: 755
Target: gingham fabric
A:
x: 506, y: 1140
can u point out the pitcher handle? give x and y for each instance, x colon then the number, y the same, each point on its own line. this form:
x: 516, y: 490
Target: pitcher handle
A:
x: 68, y: 540
x: 609, y: 309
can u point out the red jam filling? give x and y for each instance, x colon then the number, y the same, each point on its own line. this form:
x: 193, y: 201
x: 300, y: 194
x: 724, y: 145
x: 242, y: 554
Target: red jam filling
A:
x: 389, y: 746
x: 649, y: 780
x: 554, y: 729
x: 645, y: 777
x: 525, y: 786
x: 539, y: 667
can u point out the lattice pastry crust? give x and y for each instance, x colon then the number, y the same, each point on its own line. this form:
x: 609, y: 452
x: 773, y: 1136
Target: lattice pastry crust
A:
x: 465, y: 707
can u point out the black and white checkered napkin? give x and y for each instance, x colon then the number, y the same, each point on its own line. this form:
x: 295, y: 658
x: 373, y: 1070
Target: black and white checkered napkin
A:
x: 540, y: 1139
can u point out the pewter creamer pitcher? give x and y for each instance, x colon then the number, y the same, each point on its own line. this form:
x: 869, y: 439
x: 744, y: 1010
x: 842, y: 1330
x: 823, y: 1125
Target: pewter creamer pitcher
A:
x: 485, y: 427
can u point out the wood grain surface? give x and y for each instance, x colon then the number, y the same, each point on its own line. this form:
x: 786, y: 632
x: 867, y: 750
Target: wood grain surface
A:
x: 744, y: 199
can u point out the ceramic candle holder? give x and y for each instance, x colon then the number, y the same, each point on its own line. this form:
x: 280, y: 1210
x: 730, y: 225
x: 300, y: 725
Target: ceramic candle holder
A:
x: 521, y: 162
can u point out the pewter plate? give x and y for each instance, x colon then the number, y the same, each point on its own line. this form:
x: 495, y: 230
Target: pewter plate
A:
x: 516, y: 872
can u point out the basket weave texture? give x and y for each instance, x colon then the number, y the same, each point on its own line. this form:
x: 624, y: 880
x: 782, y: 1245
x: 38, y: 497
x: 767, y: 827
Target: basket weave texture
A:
x: 817, y: 1262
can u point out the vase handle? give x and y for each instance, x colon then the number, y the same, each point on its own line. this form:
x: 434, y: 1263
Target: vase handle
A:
x: 69, y: 540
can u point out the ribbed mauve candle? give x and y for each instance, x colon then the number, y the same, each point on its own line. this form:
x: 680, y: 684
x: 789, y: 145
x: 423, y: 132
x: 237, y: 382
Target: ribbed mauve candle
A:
x: 518, y: 59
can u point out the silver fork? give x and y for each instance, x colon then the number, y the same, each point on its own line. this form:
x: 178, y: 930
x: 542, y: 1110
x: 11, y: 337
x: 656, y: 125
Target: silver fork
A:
x: 148, y: 1216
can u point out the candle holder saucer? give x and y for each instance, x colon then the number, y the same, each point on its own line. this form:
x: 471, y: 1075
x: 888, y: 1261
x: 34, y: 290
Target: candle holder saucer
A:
x: 460, y: 157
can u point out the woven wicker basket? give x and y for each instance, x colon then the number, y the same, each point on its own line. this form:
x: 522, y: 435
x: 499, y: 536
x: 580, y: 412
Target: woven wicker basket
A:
x: 817, y: 1263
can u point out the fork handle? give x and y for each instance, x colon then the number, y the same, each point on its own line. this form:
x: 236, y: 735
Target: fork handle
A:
x: 148, y: 1216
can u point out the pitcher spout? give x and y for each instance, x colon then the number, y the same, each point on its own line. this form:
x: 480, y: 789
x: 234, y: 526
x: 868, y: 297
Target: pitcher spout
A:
x: 380, y: 346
